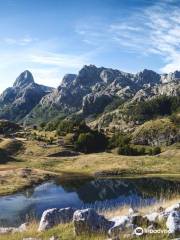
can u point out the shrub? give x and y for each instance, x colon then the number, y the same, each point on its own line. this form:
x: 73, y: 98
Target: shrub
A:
x: 175, y: 118
x: 154, y: 151
x: 93, y: 141
x: 118, y: 140
x: 128, y: 150
x: 159, y: 106
x: 122, y: 142
x: 42, y: 125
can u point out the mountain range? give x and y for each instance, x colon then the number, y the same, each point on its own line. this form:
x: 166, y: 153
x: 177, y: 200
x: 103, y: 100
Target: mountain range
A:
x: 88, y: 93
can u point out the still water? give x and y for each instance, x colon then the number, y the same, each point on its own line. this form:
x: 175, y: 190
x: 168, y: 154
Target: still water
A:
x: 95, y: 193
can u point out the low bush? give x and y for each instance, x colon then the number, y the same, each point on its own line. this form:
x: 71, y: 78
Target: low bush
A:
x: 154, y: 151
x: 93, y: 141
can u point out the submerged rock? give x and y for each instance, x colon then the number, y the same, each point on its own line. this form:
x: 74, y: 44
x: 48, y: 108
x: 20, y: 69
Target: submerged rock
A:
x: 55, y: 216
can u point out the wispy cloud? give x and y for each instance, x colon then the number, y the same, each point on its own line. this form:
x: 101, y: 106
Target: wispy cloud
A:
x: 60, y: 60
x: 19, y: 41
x: 153, y: 30
x: 48, y: 67
x: 47, y: 76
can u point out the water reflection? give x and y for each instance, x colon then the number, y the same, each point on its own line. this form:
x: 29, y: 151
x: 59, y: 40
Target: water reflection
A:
x: 97, y: 193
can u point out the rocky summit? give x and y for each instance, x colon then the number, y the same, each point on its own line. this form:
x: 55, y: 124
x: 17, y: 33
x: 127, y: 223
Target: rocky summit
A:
x: 88, y: 93
x: 93, y: 88
x: 17, y: 101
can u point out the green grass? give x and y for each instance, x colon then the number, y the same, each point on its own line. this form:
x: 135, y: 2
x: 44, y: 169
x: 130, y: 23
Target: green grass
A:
x: 66, y: 232
x: 34, y: 155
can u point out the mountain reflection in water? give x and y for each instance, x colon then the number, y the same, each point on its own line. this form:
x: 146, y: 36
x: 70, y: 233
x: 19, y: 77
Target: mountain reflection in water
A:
x: 95, y: 193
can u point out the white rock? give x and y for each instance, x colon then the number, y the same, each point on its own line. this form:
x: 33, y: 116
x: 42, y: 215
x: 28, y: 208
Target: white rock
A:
x: 21, y: 228
x: 173, y: 222
x: 88, y: 221
x: 175, y: 207
x: 120, y: 223
x: 132, y: 211
x: 4, y: 230
x: 164, y: 214
x: 54, y: 216
x: 152, y: 217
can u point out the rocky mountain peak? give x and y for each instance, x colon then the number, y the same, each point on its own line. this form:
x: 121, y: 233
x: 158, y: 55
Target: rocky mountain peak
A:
x: 17, y: 101
x: 165, y: 78
x: 148, y: 77
x: 24, y: 79
x: 89, y: 75
x: 68, y: 79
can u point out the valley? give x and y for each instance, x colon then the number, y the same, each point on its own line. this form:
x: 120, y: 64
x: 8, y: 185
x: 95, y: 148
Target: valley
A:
x: 115, y: 135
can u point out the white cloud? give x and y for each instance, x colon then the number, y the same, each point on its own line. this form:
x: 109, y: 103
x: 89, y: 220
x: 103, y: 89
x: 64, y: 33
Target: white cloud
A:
x: 19, y: 41
x: 153, y: 30
x: 48, y: 68
x: 47, y: 76
x: 60, y: 60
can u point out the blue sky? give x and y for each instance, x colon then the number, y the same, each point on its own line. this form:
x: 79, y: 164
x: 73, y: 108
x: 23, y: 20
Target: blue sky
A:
x: 54, y: 37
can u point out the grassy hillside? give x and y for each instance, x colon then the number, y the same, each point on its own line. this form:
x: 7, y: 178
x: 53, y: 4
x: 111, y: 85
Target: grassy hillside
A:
x: 36, y: 160
x: 7, y: 127
x: 11, y: 146
x: 156, y: 132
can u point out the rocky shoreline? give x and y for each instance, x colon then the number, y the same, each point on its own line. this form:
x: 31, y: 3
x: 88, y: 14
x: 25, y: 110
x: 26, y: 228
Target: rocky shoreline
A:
x: 88, y: 221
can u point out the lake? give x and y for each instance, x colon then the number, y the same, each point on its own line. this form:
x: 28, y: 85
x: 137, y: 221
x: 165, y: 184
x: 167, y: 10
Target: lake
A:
x: 102, y: 194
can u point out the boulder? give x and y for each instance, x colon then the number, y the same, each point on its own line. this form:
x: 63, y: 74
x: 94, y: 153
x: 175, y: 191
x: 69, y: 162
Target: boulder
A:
x: 4, y: 230
x: 174, y: 207
x: 128, y: 223
x: 164, y: 214
x: 152, y: 217
x: 88, y: 221
x: 173, y: 222
x: 55, y: 216
x: 138, y: 220
x: 132, y: 211
x: 119, y: 224
x: 21, y: 228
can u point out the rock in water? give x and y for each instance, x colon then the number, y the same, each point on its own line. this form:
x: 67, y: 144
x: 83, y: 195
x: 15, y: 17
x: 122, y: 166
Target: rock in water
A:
x: 55, y: 216
x: 88, y: 221
x: 173, y: 222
